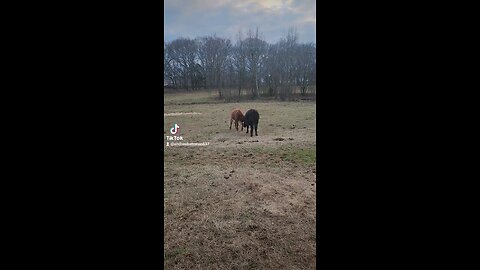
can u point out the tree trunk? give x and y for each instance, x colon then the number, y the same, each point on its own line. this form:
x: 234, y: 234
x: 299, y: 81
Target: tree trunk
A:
x: 239, y: 90
x: 219, y: 87
x: 277, y: 90
x: 256, y: 85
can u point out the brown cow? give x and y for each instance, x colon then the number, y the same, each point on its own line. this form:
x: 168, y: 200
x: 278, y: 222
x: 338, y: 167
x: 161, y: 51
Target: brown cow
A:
x: 237, y: 116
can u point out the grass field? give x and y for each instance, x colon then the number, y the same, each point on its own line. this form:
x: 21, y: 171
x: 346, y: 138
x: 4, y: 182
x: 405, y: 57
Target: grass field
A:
x: 241, y: 202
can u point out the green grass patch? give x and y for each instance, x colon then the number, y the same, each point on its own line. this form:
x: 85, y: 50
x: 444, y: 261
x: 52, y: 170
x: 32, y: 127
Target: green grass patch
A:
x: 307, y: 155
x: 171, y: 254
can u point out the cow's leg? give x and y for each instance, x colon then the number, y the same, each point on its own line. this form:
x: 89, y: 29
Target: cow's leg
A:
x: 236, y: 124
x: 247, y: 128
x: 256, y: 134
x: 231, y: 121
x: 242, y: 125
x: 251, y: 131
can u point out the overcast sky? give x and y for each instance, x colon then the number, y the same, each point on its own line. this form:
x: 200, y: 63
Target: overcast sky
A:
x: 194, y: 18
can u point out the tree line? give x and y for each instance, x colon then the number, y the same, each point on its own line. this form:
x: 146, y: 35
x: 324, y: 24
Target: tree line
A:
x: 249, y: 64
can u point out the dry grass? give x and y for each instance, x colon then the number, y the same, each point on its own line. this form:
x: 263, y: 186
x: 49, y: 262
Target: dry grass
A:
x: 242, y: 202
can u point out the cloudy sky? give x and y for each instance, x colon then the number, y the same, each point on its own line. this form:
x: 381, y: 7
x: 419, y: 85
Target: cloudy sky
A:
x: 194, y: 18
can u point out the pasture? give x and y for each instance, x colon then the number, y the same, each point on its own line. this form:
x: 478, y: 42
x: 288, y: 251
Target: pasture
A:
x: 241, y: 202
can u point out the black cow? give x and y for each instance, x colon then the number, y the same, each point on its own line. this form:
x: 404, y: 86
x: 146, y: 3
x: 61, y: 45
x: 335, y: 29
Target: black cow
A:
x: 251, y: 120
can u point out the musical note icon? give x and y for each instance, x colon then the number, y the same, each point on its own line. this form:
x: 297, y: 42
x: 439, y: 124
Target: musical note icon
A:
x: 174, y: 129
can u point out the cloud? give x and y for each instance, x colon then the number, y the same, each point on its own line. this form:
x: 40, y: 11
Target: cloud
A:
x: 193, y: 18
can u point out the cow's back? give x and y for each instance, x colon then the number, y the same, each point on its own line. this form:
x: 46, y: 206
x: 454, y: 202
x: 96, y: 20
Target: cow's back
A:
x: 252, y: 117
x: 237, y: 115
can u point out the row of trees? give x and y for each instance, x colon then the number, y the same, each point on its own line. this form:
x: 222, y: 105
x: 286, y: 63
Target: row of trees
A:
x: 251, y: 63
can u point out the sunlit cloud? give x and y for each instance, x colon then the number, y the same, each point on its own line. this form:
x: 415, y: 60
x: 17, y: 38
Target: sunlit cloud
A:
x: 193, y: 18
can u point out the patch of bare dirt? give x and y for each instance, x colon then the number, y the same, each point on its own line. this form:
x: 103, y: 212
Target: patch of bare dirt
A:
x: 238, y: 210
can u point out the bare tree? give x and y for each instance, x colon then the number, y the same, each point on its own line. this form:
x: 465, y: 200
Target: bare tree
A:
x: 304, y: 66
x: 286, y: 60
x: 272, y: 69
x: 239, y: 60
x: 172, y: 69
x: 213, y: 57
x: 255, y: 49
x: 213, y: 63
x: 201, y: 60
x: 183, y: 53
x: 206, y: 57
